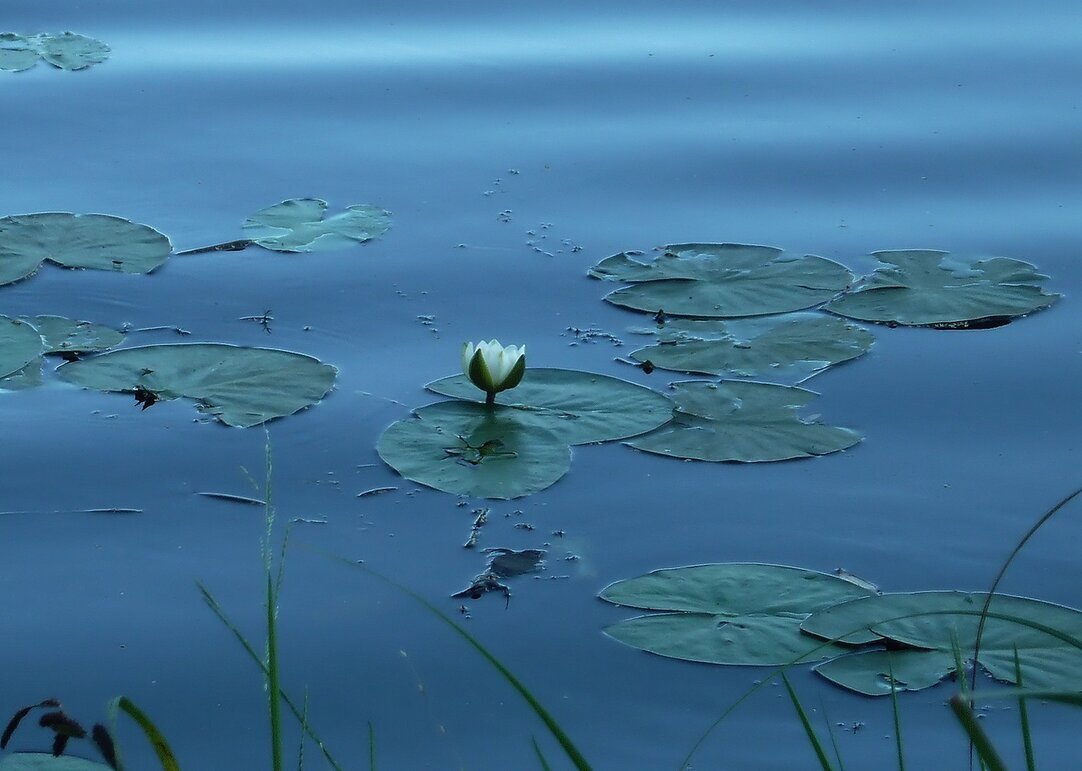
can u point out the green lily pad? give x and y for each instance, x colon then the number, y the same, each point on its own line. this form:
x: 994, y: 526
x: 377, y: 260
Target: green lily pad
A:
x: 299, y: 225
x: 97, y: 241
x: 469, y: 449
x: 932, y: 288
x: 63, y: 335
x: 239, y: 386
x: 733, y: 613
x: 787, y: 349
x: 580, y: 407
x: 722, y: 281
x: 26, y: 378
x: 870, y: 672
x: 932, y: 621
x: 16, y: 53
x: 20, y: 344
x: 744, y: 422
x: 44, y: 761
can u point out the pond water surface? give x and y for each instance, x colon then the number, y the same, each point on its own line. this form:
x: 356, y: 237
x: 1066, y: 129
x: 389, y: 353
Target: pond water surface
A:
x: 835, y: 130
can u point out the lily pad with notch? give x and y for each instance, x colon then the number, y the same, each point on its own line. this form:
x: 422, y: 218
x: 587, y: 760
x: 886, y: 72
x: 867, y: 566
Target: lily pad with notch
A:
x: 469, y: 449
x: 745, y: 422
x: 722, y: 281
x: 729, y: 613
x: 239, y: 386
x: 301, y: 225
x: 579, y: 407
x: 787, y: 349
x: 1048, y: 639
x: 94, y: 241
x: 928, y: 288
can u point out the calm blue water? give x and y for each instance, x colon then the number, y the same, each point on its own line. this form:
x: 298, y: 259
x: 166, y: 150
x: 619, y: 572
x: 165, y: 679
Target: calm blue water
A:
x: 836, y: 131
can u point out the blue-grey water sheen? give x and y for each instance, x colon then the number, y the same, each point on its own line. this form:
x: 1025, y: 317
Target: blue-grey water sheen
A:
x: 488, y: 129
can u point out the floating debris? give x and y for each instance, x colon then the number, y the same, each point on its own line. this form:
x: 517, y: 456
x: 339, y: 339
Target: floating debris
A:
x: 375, y: 491
x: 233, y: 498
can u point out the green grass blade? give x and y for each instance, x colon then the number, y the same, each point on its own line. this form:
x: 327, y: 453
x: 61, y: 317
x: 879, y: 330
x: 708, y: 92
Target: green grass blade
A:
x: 304, y: 725
x: 896, y: 713
x: 157, y: 740
x: 540, y: 755
x: 371, y: 747
x: 569, y: 748
x: 824, y: 761
x: 274, y: 689
x: 983, y: 745
x: 1023, y: 713
x: 832, y: 734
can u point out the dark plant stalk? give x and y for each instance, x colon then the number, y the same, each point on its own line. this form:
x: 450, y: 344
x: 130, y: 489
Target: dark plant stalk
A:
x: 896, y: 713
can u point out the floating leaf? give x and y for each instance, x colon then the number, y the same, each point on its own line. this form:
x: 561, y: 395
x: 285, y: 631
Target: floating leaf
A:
x: 239, y: 386
x: 67, y: 51
x: 745, y: 422
x: 62, y: 335
x: 933, y: 620
x: 581, y: 407
x: 27, y: 377
x: 789, y: 348
x: 16, y: 53
x: 869, y: 672
x: 470, y: 449
x: 733, y: 613
x: 298, y: 224
x: 722, y: 281
x: 926, y: 288
x: 42, y: 761
x: 20, y: 345
x: 97, y: 241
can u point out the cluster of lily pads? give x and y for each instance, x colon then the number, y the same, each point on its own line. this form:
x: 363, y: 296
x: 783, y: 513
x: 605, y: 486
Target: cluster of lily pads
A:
x: 240, y: 386
x: 770, y: 615
x: 734, y: 311
x: 67, y: 51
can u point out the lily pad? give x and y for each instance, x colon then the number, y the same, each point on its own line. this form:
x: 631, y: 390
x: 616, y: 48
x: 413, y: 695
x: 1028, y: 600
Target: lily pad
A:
x: 789, y: 349
x: 239, y: 386
x: 97, y: 241
x: 733, y: 613
x: 469, y: 449
x: 20, y: 344
x: 580, y: 407
x: 26, y: 378
x: 63, y: 335
x: 744, y: 422
x: 932, y: 288
x: 722, y: 281
x: 67, y: 51
x: 870, y: 672
x: 44, y: 761
x: 299, y: 225
x: 932, y: 621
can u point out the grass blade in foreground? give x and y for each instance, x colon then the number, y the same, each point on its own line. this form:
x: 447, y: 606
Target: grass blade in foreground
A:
x: 540, y: 756
x: 964, y: 712
x: 557, y: 732
x: 897, y: 716
x: 820, y: 753
x: 1023, y: 714
x: 161, y: 746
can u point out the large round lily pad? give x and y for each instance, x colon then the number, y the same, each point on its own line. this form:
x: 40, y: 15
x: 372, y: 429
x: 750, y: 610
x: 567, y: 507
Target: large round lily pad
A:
x: 929, y: 288
x: 734, y: 613
x: 580, y: 407
x: 744, y: 422
x: 67, y: 51
x: 97, y: 241
x: 788, y: 348
x: 20, y: 344
x: 16, y: 53
x: 299, y: 225
x: 1048, y: 638
x: 722, y: 280
x: 239, y: 386
x: 471, y: 449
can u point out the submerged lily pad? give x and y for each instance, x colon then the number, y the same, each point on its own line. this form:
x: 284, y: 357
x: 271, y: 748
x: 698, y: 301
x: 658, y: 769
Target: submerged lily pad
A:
x: 930, y: 622
x: 744, y: 422
x: 722, y: 281
x: 790, y: 348
x: 20, y: 344
x: 97, y: 241
x: 299, y: 225
x: 239, y: 386
x: 927, y: 288
x: 469, y: 449
x: 63, y: 335
x: 67, y: 51
x: 580, y: 407
x: 733, y: 613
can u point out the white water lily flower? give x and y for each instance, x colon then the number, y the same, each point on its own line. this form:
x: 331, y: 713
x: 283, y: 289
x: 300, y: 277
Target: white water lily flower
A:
x: 493, y: 368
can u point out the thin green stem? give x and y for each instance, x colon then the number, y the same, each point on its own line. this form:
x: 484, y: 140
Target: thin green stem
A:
x: 820, y: 753
x: 1023, y: 713
x: 988, y: 755
x: 896, y: 713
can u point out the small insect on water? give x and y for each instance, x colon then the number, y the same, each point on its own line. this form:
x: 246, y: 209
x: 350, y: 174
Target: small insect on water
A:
x: 145, y: 396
